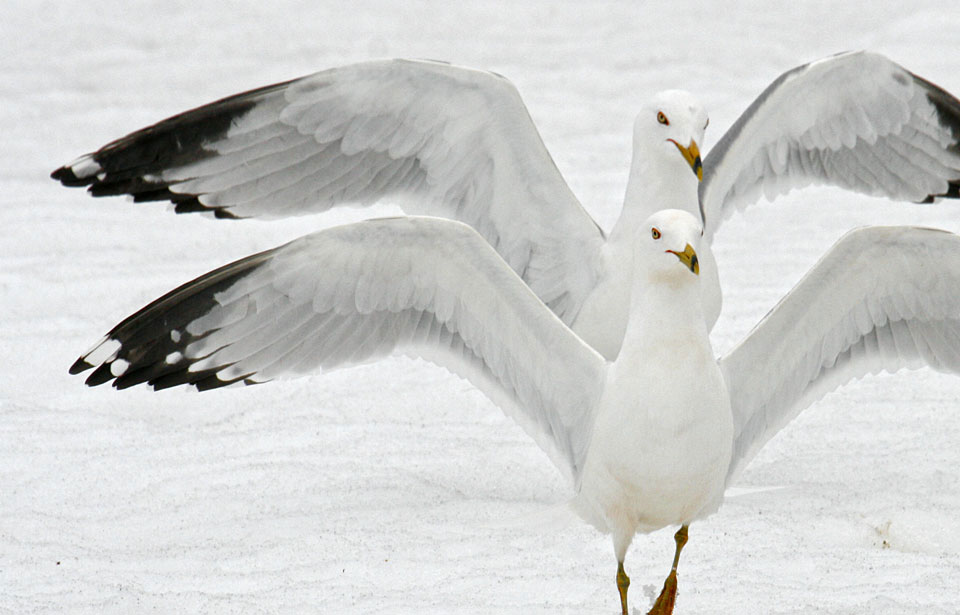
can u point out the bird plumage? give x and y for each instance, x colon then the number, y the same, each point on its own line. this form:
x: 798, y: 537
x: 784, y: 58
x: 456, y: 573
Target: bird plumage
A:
x: 458, y: 143
x: 649, y: 439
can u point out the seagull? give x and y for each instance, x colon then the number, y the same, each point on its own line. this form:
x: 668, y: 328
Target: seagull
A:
x: 650, y: 439
x: 455, y: 142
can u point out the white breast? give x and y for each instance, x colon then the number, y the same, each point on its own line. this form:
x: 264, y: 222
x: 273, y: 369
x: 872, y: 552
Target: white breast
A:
x: 662, y: 441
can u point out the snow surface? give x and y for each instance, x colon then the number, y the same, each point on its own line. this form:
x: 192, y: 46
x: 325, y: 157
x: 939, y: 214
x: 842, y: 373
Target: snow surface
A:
x: 396, y: 487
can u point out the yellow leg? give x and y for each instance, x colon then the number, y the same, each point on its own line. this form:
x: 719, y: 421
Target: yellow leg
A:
x: 668, y: 595
x: 623, y: 582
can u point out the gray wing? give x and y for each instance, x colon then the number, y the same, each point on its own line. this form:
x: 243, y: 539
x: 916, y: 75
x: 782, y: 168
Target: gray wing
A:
x: 855, y: 120
x: 423, y: 286
x: 882, y: 299
x: 436, y: 139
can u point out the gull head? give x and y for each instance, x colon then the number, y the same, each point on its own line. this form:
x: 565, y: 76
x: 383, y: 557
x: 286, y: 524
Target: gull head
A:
x: 667, y: 246
x: 668, y: 131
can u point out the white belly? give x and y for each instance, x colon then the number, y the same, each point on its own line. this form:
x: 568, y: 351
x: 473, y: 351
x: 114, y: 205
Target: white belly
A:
x: 660, y: 458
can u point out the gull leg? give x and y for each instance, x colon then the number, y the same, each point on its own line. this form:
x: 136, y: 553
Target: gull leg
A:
x: 623, y: 582
x: 668, y: 595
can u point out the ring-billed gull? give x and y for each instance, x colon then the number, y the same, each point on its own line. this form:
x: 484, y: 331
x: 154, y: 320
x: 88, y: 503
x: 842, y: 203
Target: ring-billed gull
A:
x: 459, y: 143
x: 650, y: 439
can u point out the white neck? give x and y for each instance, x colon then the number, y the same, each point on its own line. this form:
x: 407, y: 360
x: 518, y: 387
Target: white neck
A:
x: 665, y: 311
x: 658, y: 180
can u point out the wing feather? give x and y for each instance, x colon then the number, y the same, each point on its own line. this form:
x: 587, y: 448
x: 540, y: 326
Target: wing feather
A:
x: 423, y: 286
x: 855, y: 120
x: 882, y: 299
x: 433, y: 138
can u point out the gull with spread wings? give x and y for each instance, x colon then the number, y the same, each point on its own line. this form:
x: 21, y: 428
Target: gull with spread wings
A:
x: 651, y: 438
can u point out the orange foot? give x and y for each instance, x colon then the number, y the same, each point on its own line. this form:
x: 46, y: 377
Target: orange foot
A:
x: 667, y: 597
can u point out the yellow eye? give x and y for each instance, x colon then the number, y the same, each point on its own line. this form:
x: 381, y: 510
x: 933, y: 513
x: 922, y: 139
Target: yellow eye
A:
x: 655, y: 232
x: 662, y: 118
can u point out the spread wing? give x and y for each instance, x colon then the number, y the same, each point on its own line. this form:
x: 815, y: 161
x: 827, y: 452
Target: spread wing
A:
x: 882, y: 299
x: 436, y: 139
x: 855, y: 120
x: 422, y: 286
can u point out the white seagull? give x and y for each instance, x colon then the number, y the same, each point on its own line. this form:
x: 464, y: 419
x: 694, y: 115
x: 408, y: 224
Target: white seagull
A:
x: 650, y: 439
x: 459, y: 143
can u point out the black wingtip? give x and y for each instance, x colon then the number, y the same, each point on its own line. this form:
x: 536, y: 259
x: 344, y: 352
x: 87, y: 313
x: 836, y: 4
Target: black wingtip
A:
x: 214, y: 382
x: 68, y: 178
x: 947, y: 107
x: 149, y: 346
x: 99, y: 376
x: 223, y: 214
x: 80, y: 365
x: 953, y: 192
x: 134, y: 164
x: 189, y: 203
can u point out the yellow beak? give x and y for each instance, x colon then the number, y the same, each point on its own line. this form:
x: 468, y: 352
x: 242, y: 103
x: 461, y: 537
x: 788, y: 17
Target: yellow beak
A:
x: 691, y: 154
x: 689, y: 258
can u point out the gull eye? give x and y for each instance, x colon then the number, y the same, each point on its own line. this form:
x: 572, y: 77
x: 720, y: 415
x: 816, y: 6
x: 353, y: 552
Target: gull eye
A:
x: 707, y: 124
x: 655, y: 233
x: 662, y: 118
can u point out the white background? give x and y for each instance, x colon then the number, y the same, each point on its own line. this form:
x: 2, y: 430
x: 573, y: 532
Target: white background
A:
x: 396, y: 487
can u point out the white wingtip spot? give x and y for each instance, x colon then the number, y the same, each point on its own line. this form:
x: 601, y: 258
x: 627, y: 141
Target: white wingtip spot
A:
x: 119, y: 367
x: 84, y: 166
x: 173, y: 357
x: 102, y: 352
x: 175, y: 336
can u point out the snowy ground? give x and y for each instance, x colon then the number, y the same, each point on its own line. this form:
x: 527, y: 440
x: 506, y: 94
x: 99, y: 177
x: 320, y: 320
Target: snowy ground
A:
x: 397, y: 488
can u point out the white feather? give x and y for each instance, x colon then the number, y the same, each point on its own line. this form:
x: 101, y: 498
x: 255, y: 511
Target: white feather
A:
x: 881, y: 298
x: 846, y: 121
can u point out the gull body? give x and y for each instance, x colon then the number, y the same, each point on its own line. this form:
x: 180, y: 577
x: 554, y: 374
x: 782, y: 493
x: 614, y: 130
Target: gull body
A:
x: 454, y: 142
x: 646, y: 438
x: 649, y: 439
x: 664, y: 428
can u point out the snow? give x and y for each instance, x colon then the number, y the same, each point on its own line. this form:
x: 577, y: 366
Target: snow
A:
x: 397, y: 487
